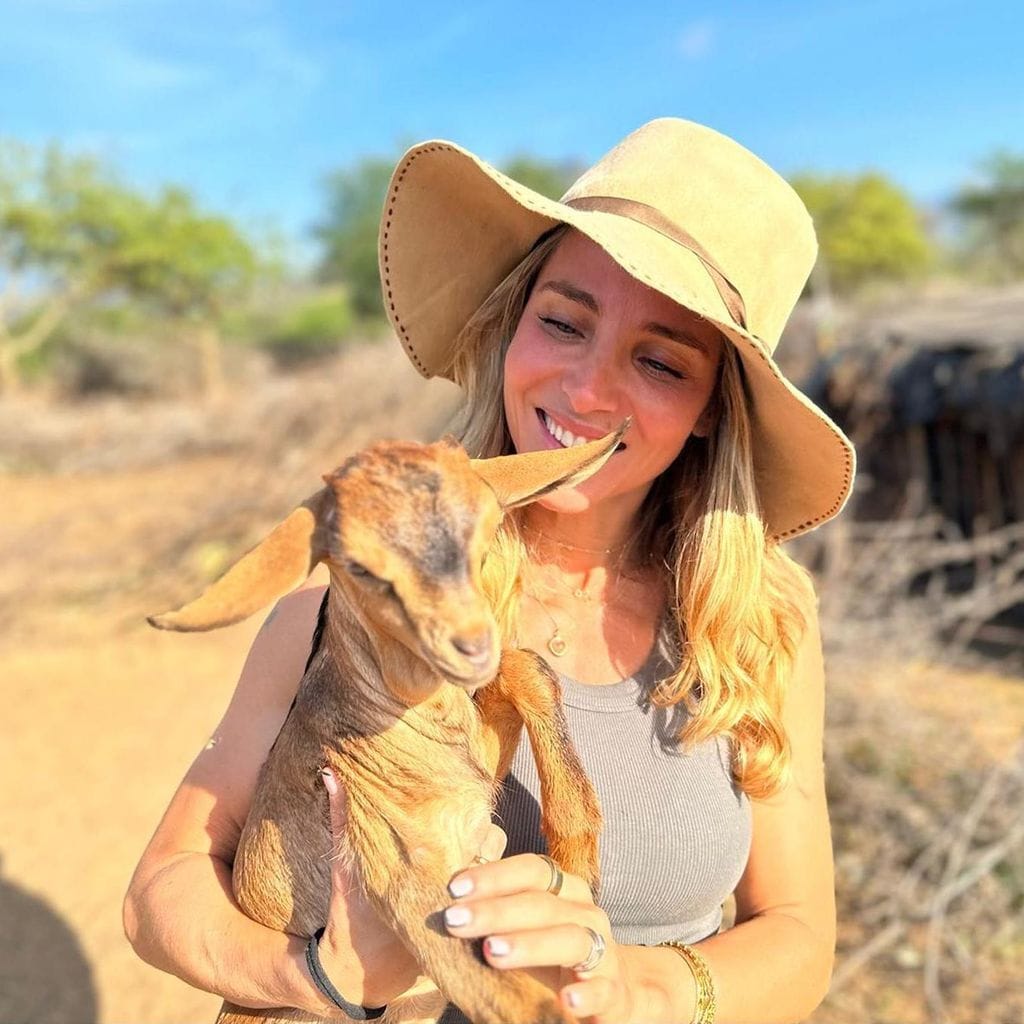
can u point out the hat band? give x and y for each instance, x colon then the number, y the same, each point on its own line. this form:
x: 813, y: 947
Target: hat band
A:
x: 654, y: 219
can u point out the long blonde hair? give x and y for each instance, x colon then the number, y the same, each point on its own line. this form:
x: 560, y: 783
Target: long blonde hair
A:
x: 738, y: 603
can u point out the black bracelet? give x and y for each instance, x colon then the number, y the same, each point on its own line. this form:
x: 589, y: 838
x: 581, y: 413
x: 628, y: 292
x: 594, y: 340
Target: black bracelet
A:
x: 323, y: 983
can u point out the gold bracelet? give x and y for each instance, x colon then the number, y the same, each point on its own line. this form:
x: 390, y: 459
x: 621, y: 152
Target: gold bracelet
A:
x: 704, y: 1012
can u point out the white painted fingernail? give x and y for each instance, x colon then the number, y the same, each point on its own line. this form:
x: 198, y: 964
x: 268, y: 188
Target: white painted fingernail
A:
x: 461, y: 886
x: 498, y: 947
x: 454, y: 917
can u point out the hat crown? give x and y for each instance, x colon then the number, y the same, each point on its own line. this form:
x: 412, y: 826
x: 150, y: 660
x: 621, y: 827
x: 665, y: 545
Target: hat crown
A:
x: 744, y: 214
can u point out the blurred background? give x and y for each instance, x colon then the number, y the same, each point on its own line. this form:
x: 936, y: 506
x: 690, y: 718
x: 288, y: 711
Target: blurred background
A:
x: 191, y: 332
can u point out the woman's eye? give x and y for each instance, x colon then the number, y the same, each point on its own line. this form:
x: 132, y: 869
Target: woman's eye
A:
x: 661, y: 369
x: 559, y: 325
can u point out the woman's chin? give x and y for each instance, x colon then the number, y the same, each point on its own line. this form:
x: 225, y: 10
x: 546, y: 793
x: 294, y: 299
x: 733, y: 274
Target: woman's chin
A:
x: 566, y: 501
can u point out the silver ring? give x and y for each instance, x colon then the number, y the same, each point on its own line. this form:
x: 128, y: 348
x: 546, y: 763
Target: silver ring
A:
x: 557, y: 878
x: 597, y: 948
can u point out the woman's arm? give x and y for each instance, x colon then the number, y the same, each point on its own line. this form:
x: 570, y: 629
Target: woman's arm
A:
x: 180, y: 914
x: 773, y: 967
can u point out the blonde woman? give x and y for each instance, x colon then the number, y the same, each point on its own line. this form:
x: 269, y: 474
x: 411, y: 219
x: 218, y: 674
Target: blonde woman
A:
x: 685, y: 637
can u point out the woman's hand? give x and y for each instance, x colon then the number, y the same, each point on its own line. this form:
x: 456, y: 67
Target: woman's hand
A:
x: 523, y: 925
x: 365, y: 960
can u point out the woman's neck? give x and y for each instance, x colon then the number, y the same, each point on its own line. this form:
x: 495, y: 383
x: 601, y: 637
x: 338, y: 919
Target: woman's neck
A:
x: 580, y: 543
x: 589, y: 598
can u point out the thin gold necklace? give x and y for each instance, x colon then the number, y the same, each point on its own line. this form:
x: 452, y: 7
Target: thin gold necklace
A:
x: 576, y: 547
x: 557, y: 643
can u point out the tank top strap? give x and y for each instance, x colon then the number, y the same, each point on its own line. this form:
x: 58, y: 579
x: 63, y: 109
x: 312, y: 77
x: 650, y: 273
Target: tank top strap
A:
x: 318, y: 631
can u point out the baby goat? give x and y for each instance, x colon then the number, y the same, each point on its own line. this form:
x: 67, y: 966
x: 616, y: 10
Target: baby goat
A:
x: 404, y: 529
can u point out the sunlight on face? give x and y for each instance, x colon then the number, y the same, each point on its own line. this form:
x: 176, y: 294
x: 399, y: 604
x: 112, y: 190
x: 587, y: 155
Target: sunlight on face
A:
x: 594, y: 346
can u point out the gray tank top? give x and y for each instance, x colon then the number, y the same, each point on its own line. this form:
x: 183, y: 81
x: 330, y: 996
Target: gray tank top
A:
x: 676, y: 829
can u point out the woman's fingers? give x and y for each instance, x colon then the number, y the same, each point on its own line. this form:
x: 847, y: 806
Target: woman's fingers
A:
x: 563, y: 945
x: 493, y: 846
x: 335, y: 801
x: 591, y: 998
x: 519, y: 912
x: 521, y: 873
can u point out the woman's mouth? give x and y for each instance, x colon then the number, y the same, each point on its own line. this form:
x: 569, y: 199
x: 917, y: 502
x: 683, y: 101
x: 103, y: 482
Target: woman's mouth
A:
x: 562, y: 436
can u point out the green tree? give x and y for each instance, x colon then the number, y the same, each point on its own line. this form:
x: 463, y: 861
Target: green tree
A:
x: 992, y: 212
x: 59, y: 225
x: 868, y: 229
x: 355, y: 199
x: 71, y: 233
x: 188, y: 265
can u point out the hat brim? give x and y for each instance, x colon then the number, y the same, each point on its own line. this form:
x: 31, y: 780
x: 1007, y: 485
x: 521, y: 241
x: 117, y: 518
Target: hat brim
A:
x: 453, y: 227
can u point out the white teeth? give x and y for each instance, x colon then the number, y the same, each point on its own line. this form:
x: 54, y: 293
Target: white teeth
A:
x: 565, y: 438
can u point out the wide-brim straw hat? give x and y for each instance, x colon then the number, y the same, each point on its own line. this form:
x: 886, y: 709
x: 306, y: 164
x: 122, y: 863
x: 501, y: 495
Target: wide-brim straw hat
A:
x: 680, y: 207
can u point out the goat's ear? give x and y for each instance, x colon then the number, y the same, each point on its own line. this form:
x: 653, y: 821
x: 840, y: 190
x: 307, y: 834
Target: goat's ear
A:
x: 520, y: 479
x: 277, y: 565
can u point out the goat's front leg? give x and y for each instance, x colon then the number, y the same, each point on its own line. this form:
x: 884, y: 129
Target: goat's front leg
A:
x: 501, y: 723
x: 526, y: 690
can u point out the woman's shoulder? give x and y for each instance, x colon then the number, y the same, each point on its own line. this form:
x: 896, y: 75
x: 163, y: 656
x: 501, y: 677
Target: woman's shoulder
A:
x: 277, y: 657
x: 287, y: 632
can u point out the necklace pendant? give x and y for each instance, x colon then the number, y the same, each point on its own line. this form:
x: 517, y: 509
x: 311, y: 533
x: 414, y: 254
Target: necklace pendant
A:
x: 557, y: 646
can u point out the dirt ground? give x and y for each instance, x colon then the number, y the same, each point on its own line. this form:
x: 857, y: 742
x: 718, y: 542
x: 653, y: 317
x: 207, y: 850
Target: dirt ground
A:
x: 98, y: 733
x: 102, y: 715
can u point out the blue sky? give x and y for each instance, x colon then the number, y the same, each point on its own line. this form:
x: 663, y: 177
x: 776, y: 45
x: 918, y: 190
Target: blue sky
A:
x: 251, y: 102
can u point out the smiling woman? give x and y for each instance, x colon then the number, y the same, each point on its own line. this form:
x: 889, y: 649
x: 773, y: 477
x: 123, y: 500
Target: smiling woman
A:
x: 592, y: 349
x: 655, y: 289
x: 685, y: 639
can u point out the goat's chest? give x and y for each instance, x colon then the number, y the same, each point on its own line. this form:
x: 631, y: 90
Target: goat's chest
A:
x: 417, y: 797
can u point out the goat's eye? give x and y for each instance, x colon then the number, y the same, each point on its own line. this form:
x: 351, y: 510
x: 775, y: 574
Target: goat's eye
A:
x: 360, y: 572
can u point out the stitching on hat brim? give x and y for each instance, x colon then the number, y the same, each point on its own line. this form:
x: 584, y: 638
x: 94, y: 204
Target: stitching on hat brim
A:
x: 749, y: 347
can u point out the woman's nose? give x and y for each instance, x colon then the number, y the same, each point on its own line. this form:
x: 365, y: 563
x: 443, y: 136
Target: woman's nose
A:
x: 589, y: 384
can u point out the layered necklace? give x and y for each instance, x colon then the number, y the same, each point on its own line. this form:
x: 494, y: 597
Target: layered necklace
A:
x: 557, y: 644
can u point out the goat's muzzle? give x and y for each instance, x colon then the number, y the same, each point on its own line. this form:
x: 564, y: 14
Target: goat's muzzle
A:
x: 471, y: 659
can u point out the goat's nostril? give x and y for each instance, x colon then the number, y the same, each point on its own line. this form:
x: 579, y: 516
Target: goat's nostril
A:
x: 475, y: 648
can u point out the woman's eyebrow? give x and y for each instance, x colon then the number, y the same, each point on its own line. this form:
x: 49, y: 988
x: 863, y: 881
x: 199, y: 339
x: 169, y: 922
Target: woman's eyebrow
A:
x: 673, y: 335
x: 570, y: 291
x: 575, y: 294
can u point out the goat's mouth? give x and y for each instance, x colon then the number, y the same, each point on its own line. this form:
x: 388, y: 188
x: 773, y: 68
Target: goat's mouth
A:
x: 471, y: 683
x: 466, y: 677
x: 468, y: 673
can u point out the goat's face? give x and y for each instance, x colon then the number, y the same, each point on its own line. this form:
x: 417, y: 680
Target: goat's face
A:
x: 407, y: 537
x: 405, y: 527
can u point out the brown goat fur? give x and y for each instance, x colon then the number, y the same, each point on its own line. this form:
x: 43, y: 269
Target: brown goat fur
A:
x: 404, y: 529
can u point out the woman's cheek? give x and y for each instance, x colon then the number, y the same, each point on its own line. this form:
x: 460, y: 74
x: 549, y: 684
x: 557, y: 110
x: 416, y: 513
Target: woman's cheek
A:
x: 527, y: 373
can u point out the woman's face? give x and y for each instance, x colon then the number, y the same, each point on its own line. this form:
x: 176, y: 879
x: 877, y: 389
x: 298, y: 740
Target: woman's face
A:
x: 594, y: 346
